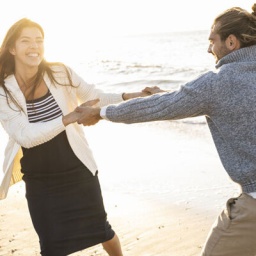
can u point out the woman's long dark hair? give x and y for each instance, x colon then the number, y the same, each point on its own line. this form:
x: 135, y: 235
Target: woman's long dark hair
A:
x: 7, y: 65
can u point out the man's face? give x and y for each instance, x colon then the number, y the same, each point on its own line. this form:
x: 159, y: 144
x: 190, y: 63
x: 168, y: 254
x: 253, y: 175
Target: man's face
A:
x: 217, y: 47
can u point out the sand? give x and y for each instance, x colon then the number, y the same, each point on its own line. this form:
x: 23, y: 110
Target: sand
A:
x: 163, y: 186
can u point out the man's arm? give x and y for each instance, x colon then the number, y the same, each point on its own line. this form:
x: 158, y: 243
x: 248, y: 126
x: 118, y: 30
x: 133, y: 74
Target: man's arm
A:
x: 90, y: 115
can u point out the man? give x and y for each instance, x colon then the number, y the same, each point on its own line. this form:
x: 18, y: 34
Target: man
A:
x: 227, y: 99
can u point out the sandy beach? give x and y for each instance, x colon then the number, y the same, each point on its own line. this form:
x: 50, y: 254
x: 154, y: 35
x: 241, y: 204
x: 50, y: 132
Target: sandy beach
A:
x: 163, y: 186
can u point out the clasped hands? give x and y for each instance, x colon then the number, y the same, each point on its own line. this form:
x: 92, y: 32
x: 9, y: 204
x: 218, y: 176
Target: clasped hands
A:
x: 88, y: 114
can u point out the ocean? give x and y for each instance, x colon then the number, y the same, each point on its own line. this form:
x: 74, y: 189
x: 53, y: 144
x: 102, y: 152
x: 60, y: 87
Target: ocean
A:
x: 127, y: 64
x: 173, y: 164
x: 131, y: 62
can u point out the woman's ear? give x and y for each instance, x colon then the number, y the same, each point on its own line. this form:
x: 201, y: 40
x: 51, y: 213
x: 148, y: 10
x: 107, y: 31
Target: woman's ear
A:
x: 12, y: 51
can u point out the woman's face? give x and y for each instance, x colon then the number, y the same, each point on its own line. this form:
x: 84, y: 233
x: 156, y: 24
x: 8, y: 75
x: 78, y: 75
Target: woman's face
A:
x: 28, y: 50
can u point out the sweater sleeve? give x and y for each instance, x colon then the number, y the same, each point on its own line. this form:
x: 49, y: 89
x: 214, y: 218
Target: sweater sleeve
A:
x: 192, y: 99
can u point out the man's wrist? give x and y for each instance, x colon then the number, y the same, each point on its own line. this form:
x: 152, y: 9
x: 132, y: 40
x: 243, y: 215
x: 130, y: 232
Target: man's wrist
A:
x: 103, y: 112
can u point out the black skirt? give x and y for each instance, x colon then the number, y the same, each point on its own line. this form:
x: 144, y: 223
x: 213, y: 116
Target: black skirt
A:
x: 65, y: 204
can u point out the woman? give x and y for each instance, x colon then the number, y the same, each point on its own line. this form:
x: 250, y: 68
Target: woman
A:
x: 37, y: 100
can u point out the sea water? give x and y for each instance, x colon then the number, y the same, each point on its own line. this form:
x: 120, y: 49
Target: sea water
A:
x: 129, y: 63
x: 168, y: 167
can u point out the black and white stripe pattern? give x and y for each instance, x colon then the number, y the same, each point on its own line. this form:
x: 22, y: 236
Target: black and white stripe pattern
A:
x: 43, y: 109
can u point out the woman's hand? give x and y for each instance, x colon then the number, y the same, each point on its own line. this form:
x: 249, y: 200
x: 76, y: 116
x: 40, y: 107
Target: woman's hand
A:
x: 70, y: 118
x: 152, y: 90
x: 147, y: 91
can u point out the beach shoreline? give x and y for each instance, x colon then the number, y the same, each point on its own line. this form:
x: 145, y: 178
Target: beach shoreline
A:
x: 163, y: 186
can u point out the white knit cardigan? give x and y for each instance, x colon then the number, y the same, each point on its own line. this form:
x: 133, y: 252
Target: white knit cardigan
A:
x: 25, y: 134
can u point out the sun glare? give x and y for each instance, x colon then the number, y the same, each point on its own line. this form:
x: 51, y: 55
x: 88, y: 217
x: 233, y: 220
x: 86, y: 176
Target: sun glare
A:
x: 78, y: 25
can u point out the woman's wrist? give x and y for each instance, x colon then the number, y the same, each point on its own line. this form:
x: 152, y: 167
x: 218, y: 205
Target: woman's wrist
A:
x: 72, y: 117
x: 127, y: 96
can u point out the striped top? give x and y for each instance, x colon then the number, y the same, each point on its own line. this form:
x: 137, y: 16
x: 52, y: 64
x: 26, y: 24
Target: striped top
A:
x: 43, y: 109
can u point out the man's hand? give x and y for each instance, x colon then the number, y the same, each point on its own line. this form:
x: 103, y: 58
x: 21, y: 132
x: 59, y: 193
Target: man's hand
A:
x: 88, y: 115
x: 75, y: 115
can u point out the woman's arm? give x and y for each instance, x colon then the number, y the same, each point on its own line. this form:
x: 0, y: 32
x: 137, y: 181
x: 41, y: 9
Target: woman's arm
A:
x: 26, y: 134
x: 86, y: 92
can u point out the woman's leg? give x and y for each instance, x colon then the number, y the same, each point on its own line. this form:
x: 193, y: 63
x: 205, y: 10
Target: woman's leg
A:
x: 113, y: 247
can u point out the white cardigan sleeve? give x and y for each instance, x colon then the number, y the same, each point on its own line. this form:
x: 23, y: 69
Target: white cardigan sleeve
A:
x: 15, y: 122
x: 27, y: 134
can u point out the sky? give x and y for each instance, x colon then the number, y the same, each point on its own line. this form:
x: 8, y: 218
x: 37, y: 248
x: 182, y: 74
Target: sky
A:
x: 116, y: 16
x: 74, y: 24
